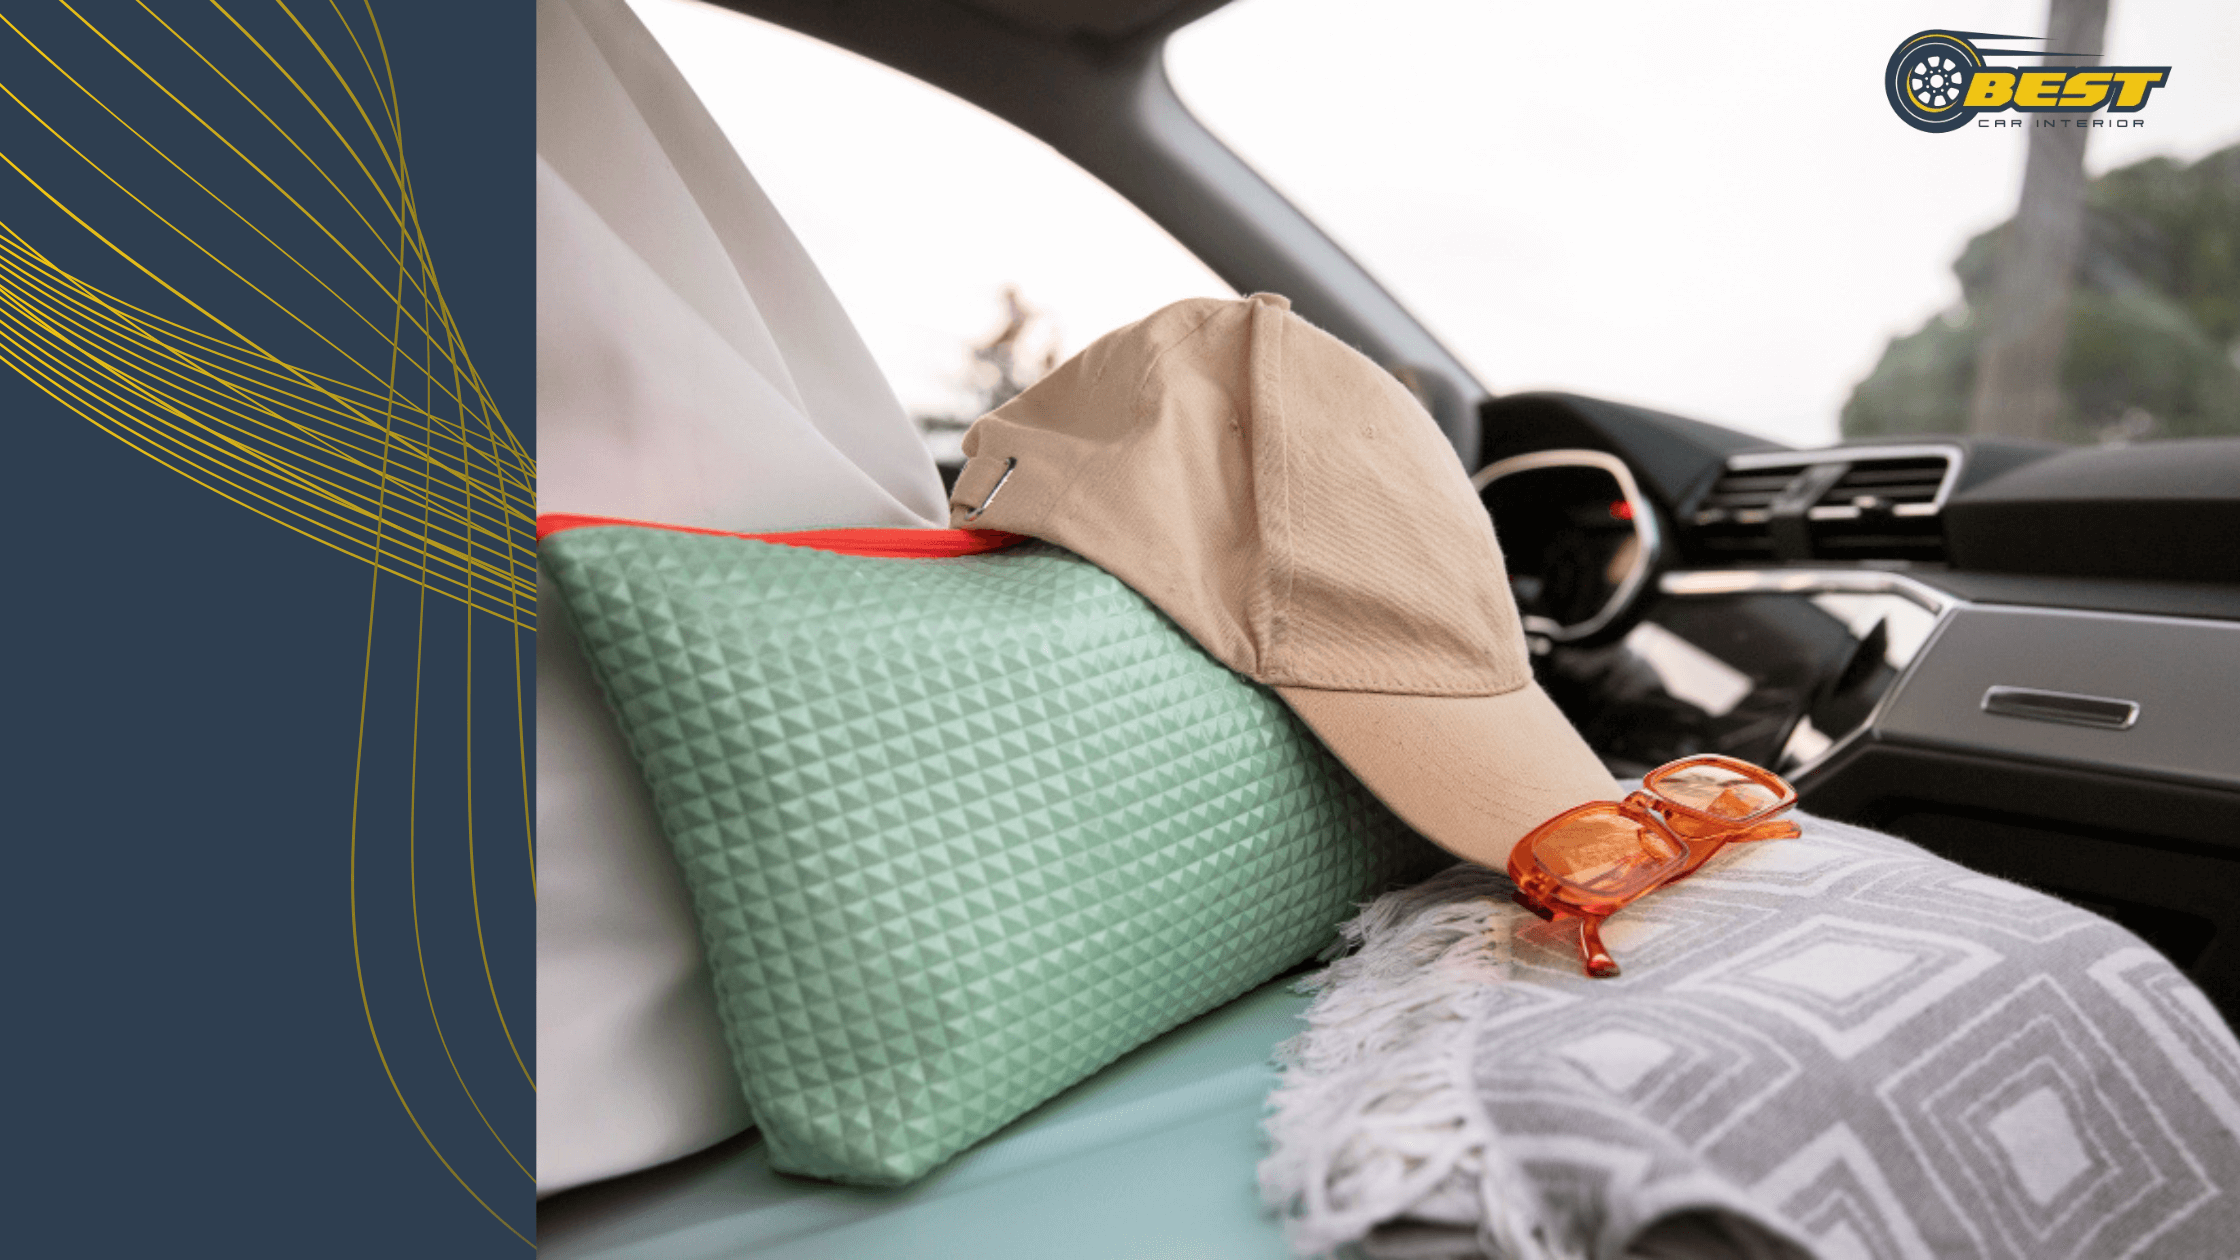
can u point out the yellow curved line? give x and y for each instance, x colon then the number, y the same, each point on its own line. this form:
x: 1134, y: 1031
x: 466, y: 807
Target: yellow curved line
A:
x: 32, y: 374
x: 148, y: 326
x: 88, y: 342
x: 1929, y: 35
x: 417, y: 245
x: 192, y: 372
x: 412, y: 869
x: 158, y: 279
x: 356, y: 957
x: 155, y: 403
x: 58, y: 370
x: 296, y: 446
x: 521, y: 742
x: 337, y: 400
x: 452, y: 341
x: 169, y: 224
x: 490, y: 407
x: 396, y: 159
x: 207, y: 476
x: 93, y: 329
x: 158, y: 151
x: 520, y: 729
x: 347, y: 147
x: 208, y: 480
x: 357, y: 960
x: 394, y: 255
x: 412, y: 846
x: 391, y: 112
x: 474, y: 892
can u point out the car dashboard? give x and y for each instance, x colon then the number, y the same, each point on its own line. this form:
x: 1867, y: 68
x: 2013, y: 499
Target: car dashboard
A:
x: 2022, y: 657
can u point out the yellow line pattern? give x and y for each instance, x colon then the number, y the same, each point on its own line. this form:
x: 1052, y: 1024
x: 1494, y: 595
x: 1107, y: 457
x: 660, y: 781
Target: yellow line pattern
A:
x: 297, y: 446
x: 420, y: 479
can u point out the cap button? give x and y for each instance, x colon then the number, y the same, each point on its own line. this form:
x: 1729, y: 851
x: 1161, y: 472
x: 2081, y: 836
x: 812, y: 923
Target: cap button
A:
x: 1276, y: 300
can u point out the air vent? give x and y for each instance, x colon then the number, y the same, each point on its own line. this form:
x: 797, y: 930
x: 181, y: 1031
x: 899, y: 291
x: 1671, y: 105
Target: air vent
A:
x: 1730, y: 523
x: 1882, y: 509
x: 1857, y: 504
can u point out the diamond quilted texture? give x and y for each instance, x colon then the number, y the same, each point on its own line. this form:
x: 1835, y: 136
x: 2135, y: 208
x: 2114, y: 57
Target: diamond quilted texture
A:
x: 959, y: 832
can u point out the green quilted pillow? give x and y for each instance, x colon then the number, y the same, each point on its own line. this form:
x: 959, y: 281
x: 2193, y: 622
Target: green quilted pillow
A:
x: 959, y: 831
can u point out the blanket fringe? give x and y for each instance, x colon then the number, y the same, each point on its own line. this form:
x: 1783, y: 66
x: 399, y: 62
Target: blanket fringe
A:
x: 1376, y: 1112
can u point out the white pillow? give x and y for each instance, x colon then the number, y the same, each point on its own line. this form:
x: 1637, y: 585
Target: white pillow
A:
x: 692, y: 368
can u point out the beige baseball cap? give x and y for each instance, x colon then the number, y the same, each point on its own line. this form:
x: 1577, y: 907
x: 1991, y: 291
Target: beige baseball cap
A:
x: 1293, y: 508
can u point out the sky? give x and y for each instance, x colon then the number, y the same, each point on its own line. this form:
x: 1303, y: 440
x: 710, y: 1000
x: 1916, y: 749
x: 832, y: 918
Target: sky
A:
x: 1709, y: 209
x: 919, y: 208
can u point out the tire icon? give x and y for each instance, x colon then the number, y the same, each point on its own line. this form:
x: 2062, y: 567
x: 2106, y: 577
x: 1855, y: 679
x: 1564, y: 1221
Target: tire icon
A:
x: 1934, y: 82
x: 1926, y: 78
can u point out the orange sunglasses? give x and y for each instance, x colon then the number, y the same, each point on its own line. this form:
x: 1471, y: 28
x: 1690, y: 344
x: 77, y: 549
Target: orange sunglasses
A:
x: 1588, y: 863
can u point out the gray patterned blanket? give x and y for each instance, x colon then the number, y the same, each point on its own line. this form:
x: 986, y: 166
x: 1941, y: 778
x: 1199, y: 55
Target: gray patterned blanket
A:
x: 1837, y: 1046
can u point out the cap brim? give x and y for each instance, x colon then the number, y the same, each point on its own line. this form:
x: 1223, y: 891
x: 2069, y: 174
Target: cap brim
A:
x: 1473, y: 774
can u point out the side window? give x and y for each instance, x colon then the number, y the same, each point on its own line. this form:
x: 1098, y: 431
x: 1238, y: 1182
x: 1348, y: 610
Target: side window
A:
x: 972, y: 256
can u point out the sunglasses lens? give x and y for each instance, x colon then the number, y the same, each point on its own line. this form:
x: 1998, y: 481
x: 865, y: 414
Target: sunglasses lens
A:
x: 1717, y: 791
x: 1607, y: 854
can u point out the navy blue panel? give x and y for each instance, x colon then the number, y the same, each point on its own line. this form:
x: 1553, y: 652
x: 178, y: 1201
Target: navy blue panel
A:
x: 191, y: 968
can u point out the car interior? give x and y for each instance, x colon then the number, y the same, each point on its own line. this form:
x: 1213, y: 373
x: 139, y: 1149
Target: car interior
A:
x: 2021, y: 656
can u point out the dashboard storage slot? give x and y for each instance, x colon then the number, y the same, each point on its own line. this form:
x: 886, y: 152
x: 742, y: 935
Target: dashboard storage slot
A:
x: 2060, y: 706
x: 2179, y: 679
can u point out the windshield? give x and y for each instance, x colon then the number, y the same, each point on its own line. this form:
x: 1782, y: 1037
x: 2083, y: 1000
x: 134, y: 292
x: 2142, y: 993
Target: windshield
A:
x: 1713, y: 210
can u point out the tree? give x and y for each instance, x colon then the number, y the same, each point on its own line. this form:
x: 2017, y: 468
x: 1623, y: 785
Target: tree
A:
x: 2150, y: 326
x: 2025, y: 326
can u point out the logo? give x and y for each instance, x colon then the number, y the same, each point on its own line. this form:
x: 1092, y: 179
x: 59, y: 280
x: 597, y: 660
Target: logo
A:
x: 1942, y: 80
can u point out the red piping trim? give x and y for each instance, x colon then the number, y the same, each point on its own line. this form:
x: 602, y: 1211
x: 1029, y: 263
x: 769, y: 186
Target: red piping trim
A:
x: 893, y: 544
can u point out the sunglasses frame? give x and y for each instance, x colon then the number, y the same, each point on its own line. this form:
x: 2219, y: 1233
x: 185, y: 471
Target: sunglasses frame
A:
x: 1696, y: 834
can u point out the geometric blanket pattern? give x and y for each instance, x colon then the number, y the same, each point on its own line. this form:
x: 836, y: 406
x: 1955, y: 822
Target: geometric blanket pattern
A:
x: 1837, y: 1046
x: 958, y: 831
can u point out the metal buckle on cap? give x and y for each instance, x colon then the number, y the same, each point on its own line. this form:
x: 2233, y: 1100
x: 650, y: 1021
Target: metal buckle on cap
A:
x: 1009, y: 462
